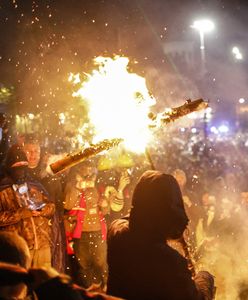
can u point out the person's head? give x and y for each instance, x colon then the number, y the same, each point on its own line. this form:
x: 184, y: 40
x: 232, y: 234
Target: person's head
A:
x: 16, y: 163
x: 32, y: 150
x: 157, y: 208
x: 20, y: 138
x: 85, y: 175
x: 13, y: 251
x: 208, y: 200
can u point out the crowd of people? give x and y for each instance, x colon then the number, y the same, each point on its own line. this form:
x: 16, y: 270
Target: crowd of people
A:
x: 212, y: 174
x: 120, y: 231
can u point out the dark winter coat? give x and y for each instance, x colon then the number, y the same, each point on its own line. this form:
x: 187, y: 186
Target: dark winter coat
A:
x: 141, y: 264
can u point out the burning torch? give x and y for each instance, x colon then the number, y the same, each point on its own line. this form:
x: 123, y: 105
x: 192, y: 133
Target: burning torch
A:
x: 73, y: 159
x: 161, y: 118
x: 175, y: 113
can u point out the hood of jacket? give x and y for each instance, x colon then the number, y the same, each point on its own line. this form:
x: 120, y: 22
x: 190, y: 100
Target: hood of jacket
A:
x: 157, y: 208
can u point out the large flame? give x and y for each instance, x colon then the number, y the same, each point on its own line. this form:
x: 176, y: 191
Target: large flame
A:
x: 119, y: 102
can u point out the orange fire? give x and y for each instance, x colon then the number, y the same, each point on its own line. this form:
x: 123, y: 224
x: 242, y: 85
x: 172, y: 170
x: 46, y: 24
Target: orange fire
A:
x: 119, y: 102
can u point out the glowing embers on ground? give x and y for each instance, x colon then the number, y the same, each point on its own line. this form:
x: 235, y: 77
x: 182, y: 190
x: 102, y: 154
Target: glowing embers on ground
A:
x: 118, y: 102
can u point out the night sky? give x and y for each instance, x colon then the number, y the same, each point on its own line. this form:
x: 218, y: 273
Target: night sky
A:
x: 43, y: 41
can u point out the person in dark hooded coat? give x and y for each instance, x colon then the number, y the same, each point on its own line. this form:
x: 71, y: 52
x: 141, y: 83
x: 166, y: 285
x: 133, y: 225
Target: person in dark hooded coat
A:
x: 141, y: 263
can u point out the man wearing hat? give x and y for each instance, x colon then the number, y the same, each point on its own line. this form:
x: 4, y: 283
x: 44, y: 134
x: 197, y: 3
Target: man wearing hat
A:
x: 25, y: 207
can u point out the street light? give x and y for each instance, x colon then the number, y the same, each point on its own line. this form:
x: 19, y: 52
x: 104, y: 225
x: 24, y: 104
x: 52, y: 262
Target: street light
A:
x: 203, y: 26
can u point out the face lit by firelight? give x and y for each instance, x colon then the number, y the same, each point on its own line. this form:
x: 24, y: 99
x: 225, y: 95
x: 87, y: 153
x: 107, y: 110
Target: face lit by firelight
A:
x: 33, y: 154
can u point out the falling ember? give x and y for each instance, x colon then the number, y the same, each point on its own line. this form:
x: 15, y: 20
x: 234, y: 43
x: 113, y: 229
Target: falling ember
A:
x: 119, y: 102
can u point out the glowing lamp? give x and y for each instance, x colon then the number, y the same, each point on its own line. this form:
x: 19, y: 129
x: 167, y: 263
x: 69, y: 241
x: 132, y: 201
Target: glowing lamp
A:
x: 223, y: 129
x: 203, y: 25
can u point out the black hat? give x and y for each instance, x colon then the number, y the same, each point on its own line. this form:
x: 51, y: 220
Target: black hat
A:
x: 16, y: 157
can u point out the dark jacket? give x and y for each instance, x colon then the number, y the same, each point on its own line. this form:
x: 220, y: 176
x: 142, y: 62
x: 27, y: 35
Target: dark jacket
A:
x: 141, y: 264
x: 54, y: 188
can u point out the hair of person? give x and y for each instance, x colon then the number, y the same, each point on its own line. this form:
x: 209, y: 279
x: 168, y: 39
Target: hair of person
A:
x: 79, y: 169
x: 31, y: 138
x: 14, y: 155
x: 14, y: 249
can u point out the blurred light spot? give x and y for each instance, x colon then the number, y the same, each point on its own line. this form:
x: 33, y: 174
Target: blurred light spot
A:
x: 237, y: 54
x: 223, y: 129
x: 214, y: 130
x: 241, y: 100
